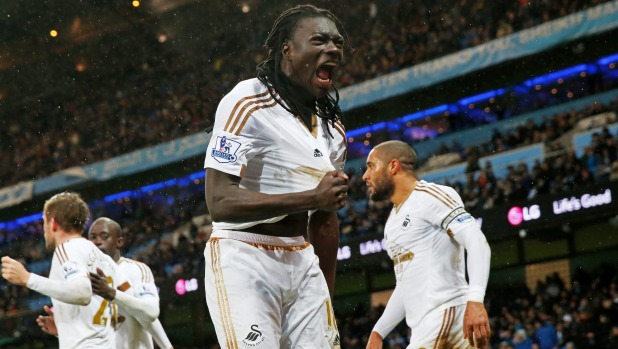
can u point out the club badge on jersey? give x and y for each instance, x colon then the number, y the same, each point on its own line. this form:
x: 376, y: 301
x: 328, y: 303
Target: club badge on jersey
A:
x: 225, y: 150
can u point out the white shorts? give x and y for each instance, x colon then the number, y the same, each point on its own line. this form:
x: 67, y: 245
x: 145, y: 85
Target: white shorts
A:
x: 267, y: 292
x: 441, y: 329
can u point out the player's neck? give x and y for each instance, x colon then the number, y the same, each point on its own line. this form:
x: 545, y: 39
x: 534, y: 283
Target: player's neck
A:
x: 403, y: 190
x: 66, y: 236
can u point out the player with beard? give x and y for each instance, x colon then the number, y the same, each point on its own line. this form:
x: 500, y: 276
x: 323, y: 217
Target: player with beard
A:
x: 273, y: 176
x: 426, y: 234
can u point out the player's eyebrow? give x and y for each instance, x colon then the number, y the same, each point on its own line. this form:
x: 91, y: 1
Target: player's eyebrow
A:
x: 325, y: 35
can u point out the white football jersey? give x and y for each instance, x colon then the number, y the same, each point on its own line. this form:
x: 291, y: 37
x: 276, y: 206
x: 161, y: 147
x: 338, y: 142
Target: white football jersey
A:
x: 429, y: 263
x: 89, y: 326
x: 273, y: 152
x: 134, y: 278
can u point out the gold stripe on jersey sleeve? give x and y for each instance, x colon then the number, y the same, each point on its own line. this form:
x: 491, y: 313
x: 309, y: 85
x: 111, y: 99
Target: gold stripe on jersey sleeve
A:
x: 144, y: 273
x: 242, y: 112
x: 58, y: 256
x: 341, y: 129
x: 238, y: 104
x: 250, y: 112
x: 442, y: 193
x: 149, y: 276
x: 435, y: 343
x: 450, y: 233
x: 434, y: 195
x: 222, y: 301
x: 64, y: 253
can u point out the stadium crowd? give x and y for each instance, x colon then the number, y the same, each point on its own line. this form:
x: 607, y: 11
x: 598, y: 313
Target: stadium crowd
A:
x: 560, y: 172
x: 149, y: 95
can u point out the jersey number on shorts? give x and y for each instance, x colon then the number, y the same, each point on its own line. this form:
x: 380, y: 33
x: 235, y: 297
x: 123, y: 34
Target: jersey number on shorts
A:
x: 99, y: 319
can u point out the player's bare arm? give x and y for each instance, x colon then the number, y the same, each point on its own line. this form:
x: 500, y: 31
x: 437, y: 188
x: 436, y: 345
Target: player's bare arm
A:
x: 228, y: 202
x: 323, y: 231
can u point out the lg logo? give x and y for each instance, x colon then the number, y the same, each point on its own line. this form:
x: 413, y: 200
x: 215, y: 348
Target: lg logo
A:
x: 518, y: 214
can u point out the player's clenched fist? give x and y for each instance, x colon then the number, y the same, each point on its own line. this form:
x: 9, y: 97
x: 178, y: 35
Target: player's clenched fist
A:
x: 332, y: 191
x: 14, y: 271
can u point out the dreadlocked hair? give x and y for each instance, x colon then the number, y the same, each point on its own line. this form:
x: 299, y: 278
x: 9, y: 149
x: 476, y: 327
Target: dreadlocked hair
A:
x: 269, y: 71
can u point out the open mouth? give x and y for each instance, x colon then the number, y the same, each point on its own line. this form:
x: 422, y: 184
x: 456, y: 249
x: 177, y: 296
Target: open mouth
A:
x: 325, y: 73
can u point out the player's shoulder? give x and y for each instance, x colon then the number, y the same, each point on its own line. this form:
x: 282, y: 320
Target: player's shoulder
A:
x: 246, y: 90
x: 131, y: 263
x: 77, y: 243
x: 432, y: 194
x: 135, y: 269
x: 74, y: 248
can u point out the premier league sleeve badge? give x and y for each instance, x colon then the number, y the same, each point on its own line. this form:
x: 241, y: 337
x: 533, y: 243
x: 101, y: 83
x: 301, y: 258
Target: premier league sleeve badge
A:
x: 225, y: 150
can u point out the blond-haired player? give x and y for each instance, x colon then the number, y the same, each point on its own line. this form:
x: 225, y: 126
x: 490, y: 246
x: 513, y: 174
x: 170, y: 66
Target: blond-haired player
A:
x: 426, y: 234
x: 84, y: 320
x: 136, y: 293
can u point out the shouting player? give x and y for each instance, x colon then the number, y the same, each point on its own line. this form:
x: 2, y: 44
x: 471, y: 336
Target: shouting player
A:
x: 274, y: 174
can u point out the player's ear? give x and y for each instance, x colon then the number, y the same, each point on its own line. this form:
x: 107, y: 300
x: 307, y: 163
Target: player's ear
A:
x: 54, y: 224
x: 120, y: 242
x: 394, y: 166
x: 286, y: 50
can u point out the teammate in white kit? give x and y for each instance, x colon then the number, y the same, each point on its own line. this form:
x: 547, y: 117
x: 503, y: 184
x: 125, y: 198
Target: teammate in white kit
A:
x: 426, y: 234
x: 274, y: 174
x: 136, y: 293
x: 137, y: 297
x: 84, y: 320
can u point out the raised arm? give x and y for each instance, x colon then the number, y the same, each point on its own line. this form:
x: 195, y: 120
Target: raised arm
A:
x: 75, y: 291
